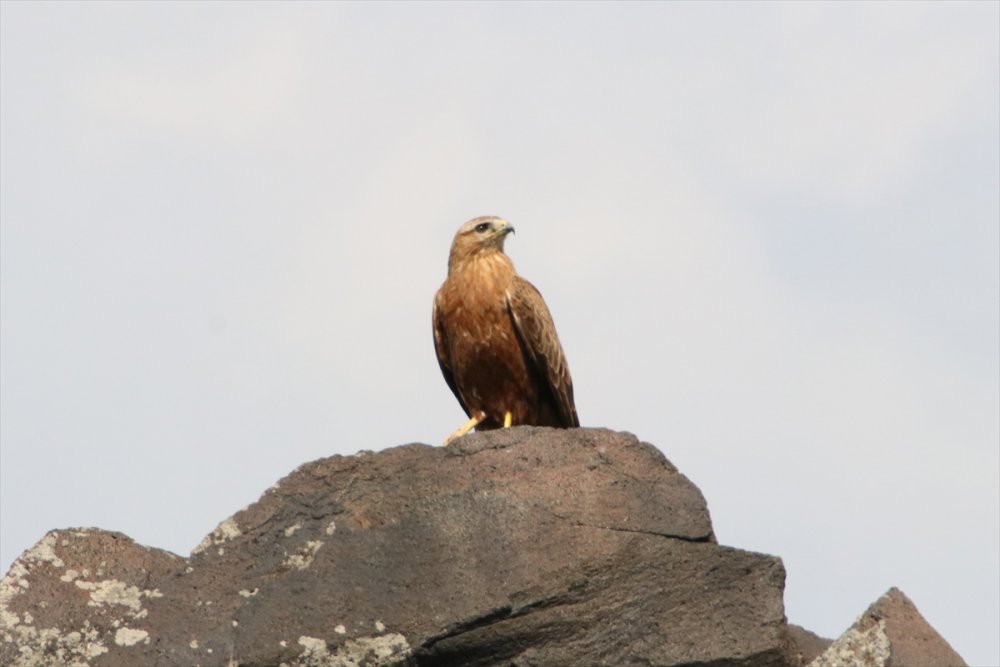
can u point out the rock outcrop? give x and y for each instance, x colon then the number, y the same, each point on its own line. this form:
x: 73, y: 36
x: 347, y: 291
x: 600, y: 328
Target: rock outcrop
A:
x: 525, y: 546
x: 891, y: 633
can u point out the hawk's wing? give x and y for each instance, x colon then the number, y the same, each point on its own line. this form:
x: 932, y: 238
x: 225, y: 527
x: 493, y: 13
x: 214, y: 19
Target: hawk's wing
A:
x: 538, y: 335
x: 441, y: 347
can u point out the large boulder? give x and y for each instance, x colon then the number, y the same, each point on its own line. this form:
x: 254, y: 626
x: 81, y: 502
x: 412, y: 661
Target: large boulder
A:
x: 525, y: 546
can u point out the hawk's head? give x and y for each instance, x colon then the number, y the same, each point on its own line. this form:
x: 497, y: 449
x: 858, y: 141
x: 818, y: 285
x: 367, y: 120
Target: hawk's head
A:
x: 478, y: 236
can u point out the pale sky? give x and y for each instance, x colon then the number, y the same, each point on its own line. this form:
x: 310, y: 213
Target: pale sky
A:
x: 769, y: 235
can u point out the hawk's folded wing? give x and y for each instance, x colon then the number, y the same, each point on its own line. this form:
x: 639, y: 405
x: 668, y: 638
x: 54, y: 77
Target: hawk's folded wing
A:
x: 538, y: 337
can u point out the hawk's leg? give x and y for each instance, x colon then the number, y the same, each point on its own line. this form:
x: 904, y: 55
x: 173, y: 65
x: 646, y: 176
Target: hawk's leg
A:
x: 507, y: 419
x: 466, y: 427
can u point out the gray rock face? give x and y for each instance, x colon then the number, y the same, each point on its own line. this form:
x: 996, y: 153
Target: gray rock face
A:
x: 891, y: 633
x: 525, y: 546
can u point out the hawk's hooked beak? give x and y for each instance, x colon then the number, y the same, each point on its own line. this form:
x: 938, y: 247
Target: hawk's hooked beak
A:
x: 506, y: 229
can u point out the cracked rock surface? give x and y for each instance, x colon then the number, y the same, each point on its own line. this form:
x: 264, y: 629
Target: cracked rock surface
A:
x: 526, y: 546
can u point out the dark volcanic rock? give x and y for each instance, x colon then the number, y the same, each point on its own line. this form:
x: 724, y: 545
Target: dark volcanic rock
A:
x: 525, y: 546
x: 891, y: 633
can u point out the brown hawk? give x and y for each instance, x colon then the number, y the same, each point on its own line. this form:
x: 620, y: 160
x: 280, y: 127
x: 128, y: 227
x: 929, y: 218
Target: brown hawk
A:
x: 495, y: 339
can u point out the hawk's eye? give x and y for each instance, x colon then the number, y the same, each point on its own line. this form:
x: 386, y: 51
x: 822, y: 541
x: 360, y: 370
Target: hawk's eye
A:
x: 482, y: 227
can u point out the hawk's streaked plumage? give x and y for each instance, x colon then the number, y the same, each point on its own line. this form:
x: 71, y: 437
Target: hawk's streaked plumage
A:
x: 494, y: 337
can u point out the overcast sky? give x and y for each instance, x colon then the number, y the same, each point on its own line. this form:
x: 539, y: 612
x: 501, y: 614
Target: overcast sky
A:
x: 769, y: 235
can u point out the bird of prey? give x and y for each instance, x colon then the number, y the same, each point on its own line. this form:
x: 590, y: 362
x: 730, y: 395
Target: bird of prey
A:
x: 495, y: 339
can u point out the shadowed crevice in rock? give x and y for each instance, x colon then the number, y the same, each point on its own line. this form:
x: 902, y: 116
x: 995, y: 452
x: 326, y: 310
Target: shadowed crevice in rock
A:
x: 686, y: 538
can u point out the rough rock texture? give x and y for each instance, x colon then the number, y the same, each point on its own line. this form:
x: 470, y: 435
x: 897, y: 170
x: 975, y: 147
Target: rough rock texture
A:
x: 804, y: 646
x: 891, y: 633
x: 523, y: 547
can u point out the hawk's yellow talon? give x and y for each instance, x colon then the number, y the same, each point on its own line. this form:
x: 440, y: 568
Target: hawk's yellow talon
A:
x: 507, y: 419
x: 466, y: 427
